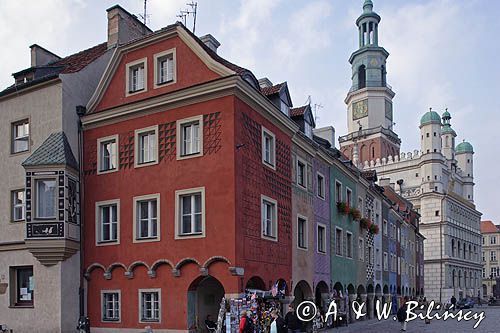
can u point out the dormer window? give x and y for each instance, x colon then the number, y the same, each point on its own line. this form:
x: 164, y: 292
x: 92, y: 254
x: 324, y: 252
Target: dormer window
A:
x: 165, y: 68
x: 136, y: 76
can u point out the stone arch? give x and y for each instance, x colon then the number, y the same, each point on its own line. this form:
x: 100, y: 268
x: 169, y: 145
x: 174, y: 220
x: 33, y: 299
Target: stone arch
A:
x: 370, y: 289
x: 350, y: 289
x: 386, y: 289
x: 363, y: 153
x: 92, y: 267
x: 302, y: 292
x: 398, y: 290
x: 160, y: 262
x: 115, y: 265
x: 256, y: 282
x: 378, y: 290
x: 204, y: 297
x: 186, y: 261
x: 321, y: 295
x: 361, y: 77
x: 213, y: 259
x: 135, y: 264
x: 361, y: 290
x: 338, y: 287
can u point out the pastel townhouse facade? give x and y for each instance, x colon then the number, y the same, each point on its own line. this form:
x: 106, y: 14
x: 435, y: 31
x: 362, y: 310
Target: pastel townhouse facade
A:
x: 40, y: 230
x: 191, y: 191
x: 490, y: 253
x: 437, y: 178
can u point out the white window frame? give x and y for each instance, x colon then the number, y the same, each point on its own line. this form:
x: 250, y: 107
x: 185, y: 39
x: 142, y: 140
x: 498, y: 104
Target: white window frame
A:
x: 37, y: 217
x: 348, y: 194
x: 385, y: 262
x: 103, y: 303
x: 322, y: 195
x: 128, y: 68
x: 304, y: 163
x: 306, y: 233
x: 141, y: 291
x: 157, y: 58
x: 98, y: 224
x: 13, y: 205
x: 264, y: 198
x: 271, y: 164
x: 338, y: 194
x: 13, y: 136
x: 178, y: 215
x: 138, y: 133
x: 324, y: 238
x: 138, y: 199
x: 349, y: 247
x: 361, y: 251
x: 180, y: 143
x: 337, y: 242
x: 100, y: 143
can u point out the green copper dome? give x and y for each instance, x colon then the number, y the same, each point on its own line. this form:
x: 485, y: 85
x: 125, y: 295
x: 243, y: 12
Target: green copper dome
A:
x: 446, y: 114
x: 430, y: 117
x: 464, y: 147
x: 448, y: 130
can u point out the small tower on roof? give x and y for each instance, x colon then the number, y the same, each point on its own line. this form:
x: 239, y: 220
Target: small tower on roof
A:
x: 448, y: 136
x: 464, y: 153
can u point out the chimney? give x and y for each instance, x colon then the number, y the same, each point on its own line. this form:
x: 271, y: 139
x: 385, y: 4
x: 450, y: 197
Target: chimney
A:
x: 123, y: 26
x: 384, y: 182
x: 210, y: 41
x: 327, y: 133
x: 265, y: 83
x: 41, y: 56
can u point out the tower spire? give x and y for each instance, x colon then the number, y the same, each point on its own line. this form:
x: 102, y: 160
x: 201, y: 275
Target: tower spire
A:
x: 368, y: 6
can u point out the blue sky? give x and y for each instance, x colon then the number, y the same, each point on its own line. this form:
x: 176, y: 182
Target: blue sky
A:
x: 443, y: 54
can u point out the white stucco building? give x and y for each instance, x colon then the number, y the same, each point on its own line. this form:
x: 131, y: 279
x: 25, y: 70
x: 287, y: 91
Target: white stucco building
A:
x: 437, y: 177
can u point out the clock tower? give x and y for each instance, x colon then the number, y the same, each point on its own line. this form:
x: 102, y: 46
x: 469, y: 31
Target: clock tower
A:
x: 369, y: 101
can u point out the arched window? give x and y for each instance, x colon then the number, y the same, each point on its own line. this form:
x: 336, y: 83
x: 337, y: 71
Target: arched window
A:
x: 452, y: 247
x: 373, y: 152
x: 459, y: 279
x: 383, y: 75
x: 453, y: 278
x: 361, y: 77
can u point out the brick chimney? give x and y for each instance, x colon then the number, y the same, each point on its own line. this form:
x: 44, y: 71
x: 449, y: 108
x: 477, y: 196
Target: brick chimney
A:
x: 327, y: 133
x: 41, y: 56
x: 123, y: 26
x: 210, y: 41
x: 265, y: 82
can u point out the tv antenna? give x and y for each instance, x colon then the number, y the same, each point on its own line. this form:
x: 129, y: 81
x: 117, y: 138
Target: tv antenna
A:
x: 316, y: 108
x: 183, y: 14
x: 145, y: 16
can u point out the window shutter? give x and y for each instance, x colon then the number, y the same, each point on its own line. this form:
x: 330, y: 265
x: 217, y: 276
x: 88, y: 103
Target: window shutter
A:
x: 140, y: 78
x: 170, y: 69
x: 309, y: 177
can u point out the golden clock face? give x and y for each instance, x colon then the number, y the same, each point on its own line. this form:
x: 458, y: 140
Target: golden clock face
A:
x: 374, y: 62
x: 360, y: 109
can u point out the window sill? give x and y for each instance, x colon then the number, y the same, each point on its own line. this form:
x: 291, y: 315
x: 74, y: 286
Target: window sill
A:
x: 19, y: 153
x: 17, y: 221
x: 102, y: 172
x: 164, y: 83
x: 146, y: 240
x: 188, y: 156
x: 146, y: 164
x: 108, y: 243
x: 21, y: 306
x: 270, y: 238
x: 189, y: 236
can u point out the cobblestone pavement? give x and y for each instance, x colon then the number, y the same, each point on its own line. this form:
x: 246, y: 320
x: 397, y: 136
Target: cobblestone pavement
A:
x: 490, y: 324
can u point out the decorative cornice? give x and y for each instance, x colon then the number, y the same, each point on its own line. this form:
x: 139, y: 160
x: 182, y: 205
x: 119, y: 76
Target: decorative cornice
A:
x: 51, y: 251
x: 13, y: 246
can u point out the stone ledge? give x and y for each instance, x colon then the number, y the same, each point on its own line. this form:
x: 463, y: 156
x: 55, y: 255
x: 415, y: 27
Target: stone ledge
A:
x: 51, y: 251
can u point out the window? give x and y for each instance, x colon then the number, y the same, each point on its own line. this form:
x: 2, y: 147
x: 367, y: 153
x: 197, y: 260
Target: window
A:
x: 110, y: 305
x: 361, y: 249
x: 149, y: 305
x: 301, y: 173
x: 377, y: 257
x: 370, y: 254
x: 436, y: 213
x: 146, y: 212
x: 302, y: 232
x: 20, y: 136
x: 164, y: 67
x: 108, y: 156
x: 349, y: 244
x: 22, y: 286
x: 493, y: 239
x: 136, y: 76
x: 17, y: 204
x: 338, y: 241
x: 107, y: 217
x: 360, y: 204
x: 191, y: 137
x: 45, y: 198
x: 348, y: 197
x: 268, y: 148
x: 190, y: 210
x: 493, y: 255
x: 321, y: 186
x: 338, y: 191
x: 386, y: 262
x: 146, y: 146
x: 384, y: 227
x: 484, y: 259
x: 269, y: 218
x: 321, y: 239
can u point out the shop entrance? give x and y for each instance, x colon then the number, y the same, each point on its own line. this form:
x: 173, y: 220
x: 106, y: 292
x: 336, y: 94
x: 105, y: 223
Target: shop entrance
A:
x: 204, y: 297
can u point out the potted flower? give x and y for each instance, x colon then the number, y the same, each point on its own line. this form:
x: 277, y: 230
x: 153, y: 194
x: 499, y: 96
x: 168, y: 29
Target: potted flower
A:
x: 343, y: 208
x: 355, y: 213
x: 374, y: 229
x: 364, y: 223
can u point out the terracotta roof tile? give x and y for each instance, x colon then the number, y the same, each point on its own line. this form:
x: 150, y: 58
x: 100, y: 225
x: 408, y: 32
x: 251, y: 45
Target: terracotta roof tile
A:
x: 299, y: 111
x: 78, y: 61
x: 489, y: 227
x: 268, y: 91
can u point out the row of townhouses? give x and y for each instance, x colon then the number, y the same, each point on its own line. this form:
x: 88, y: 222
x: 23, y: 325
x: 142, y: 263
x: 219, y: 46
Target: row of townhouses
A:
x: 148, y: 178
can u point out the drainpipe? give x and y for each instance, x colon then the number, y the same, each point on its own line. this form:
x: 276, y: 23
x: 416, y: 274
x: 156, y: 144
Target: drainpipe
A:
x: 80, y: 111
x: 441, y: 252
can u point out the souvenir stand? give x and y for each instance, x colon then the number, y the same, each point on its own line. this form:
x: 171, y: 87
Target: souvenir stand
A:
x: 256, y: 302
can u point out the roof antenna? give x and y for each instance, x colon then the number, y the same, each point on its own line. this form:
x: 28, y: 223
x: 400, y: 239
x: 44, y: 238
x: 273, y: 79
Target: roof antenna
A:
x: 183, y: 14
x: 317, y: 107
x: 145, y: 15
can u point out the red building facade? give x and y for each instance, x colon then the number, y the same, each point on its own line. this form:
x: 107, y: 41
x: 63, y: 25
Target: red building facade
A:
x: 187, y: 186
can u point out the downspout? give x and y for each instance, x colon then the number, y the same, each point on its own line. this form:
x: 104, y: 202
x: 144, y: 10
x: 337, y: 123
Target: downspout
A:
x: 80, y: 111
x: 441, y: 251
